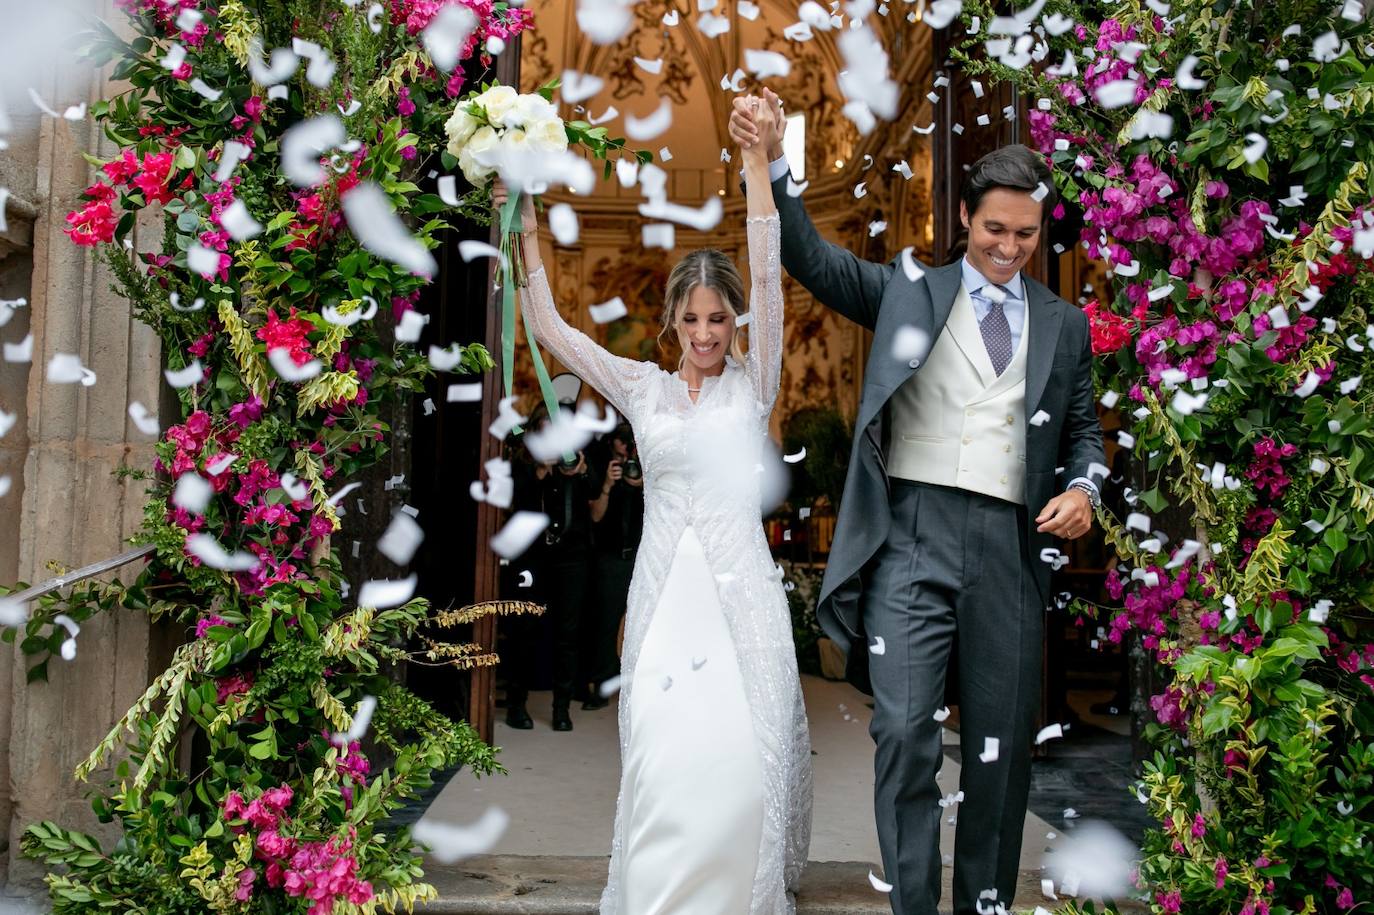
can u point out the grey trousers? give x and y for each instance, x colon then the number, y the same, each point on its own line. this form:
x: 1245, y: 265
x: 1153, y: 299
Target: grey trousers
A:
x: 954, y: 564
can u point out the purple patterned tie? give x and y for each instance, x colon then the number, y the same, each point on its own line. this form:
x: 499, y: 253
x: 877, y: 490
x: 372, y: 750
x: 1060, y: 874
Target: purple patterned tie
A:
x: 996, y: 330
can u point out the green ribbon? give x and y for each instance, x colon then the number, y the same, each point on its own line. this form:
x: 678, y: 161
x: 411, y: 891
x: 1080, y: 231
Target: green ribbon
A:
x: 510, y: 224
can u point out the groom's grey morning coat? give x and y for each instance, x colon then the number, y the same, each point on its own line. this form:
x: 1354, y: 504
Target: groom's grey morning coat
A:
x: 881, y: 298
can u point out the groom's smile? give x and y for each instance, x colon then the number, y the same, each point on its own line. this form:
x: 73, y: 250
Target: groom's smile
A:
x: 1003, y: 232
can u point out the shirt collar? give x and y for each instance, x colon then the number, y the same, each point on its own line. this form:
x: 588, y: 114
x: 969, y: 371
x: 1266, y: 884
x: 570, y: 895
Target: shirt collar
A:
x: 974, y: 281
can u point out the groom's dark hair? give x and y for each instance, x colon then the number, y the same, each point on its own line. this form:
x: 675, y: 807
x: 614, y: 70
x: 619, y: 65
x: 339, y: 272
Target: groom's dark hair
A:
x: 1013, y: 167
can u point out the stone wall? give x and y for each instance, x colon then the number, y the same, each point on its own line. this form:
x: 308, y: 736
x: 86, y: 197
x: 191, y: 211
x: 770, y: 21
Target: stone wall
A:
x: 64, y: 504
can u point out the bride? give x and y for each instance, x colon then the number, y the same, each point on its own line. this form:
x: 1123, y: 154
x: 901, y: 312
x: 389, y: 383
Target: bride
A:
x: 714, y: 813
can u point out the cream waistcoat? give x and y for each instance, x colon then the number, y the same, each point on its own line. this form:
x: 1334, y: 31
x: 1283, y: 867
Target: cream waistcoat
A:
x: 956, y: 422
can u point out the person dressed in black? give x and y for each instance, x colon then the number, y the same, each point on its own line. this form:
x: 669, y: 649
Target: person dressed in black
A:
x: 561, y: 567
x: 617, y: 520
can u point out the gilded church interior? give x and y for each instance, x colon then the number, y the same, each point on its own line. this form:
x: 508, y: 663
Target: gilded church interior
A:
x: 851, y: 187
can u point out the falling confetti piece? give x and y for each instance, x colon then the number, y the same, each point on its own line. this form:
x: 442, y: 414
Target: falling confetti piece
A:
x: 143, y: 420
x: 642, y: 129
x: 378, y: 229
x: 208, y: 550
x: 1040, y: 418
x: 518, y: 533
x: 192, y: 492
x: 942, y: 714
x: 382, y: 593
x: 1049, y: 732
x: 879, y: 885
x: 449, y: 843
x: 362, y: 717
x: 795, y: 458
x: 879, y: 646
x: 610, y: 311
x: 402, y: 538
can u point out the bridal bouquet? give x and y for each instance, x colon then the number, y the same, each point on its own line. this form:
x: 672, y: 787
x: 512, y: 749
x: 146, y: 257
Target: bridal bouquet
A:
x: 496, y: 130
x: 499, y: 122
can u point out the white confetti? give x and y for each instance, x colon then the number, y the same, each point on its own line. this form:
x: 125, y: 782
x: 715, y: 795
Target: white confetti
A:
x: 362, y: 717
x: 20, y: 352
x: 192, y: 493
x: 610, y: 311
x: 468, y: 392
x: 66, y: 368
x: 578, y: 87
x: 1049, y: 732
x: 449, y: 843
x: 713, y: 26
x: 642, y: 129
x: 186, y: 376
x: 764, y: 64
x: 377, y: 228
x: 942, y: 714
x: 280, y: 65
x: 304, y: 143
x: 1255, y: 145
x: 1040, y: 418
x: 402, y: 538
x: 208, y: 550
x: 518, y: 533
x: 320, y: 70
x: 659, y: 235
x: 703, y: 219
x: 942, y: 12
x: 238, y: 222
x: 381, y: 593
x: 282, y: 362
x: 143, y: 420
x: 879, y: 885
x: 202, y: 260
x: 990, y: 750
x: 563, y: 224
x: 1116, y: 93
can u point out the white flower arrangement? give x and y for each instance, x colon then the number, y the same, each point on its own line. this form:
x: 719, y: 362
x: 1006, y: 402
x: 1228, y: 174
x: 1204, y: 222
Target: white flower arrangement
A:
x: 498, y: 122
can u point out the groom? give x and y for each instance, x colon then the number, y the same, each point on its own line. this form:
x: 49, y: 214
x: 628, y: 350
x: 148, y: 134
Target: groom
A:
x: 977, y: 401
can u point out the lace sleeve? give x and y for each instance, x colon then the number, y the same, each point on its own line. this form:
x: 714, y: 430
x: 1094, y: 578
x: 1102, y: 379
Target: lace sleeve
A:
x: 614, y: 376
x: 764, y: 361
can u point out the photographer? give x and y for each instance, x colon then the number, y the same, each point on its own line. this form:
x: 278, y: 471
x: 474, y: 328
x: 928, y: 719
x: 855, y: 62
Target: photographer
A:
x: 618, y: 518
x: 563, y: 489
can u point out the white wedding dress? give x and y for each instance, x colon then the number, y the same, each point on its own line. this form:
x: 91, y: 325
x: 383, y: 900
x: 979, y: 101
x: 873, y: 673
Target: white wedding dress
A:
x: 714, y: 813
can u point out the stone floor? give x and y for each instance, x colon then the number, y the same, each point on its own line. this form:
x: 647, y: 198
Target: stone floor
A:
x: 560, y: 795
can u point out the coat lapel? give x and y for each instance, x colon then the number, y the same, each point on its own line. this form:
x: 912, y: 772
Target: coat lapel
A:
x: 1044, y: 312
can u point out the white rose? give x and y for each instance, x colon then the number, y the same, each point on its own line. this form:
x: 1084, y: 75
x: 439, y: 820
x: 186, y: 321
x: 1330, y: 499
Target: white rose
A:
x: 548, y: 135
x: 528, y: 110
x: 483, y: 140
x: 496, y: 101
x: 459, y: 128
x: 516, y: 142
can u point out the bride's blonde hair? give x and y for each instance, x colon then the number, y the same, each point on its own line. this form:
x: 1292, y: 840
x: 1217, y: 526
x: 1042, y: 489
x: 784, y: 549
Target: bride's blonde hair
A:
x: 710, y: 268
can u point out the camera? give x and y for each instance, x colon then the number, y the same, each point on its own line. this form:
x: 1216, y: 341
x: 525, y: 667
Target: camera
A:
x: 632, y: 469
x: 568, y: 462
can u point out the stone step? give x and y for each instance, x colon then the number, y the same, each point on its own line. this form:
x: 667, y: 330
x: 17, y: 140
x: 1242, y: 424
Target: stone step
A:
x: 566, y: 885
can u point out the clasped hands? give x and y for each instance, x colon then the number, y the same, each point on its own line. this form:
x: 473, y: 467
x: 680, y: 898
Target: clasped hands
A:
x: 757, y: 125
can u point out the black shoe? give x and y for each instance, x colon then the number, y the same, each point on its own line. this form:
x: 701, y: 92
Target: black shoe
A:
x: 518, y: 718
x: 595, y: 703
x: 562, y: 721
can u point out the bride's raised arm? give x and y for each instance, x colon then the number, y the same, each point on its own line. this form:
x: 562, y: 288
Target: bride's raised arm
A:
x: 614, y: 376
x: 764, y: 361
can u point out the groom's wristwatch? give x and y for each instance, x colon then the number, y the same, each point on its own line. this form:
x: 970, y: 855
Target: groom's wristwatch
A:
x: 1087, y: 488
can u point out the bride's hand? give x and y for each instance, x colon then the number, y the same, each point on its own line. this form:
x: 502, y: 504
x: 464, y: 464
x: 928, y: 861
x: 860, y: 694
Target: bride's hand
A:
x: 742, y: 128
x: 500, y: 194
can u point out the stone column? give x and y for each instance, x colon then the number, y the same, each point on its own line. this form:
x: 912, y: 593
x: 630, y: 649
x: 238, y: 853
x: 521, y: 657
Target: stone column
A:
x: 69, y: 507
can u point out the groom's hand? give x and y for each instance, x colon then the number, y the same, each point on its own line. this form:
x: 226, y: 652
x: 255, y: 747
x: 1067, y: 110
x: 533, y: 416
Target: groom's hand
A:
x: 1068, y: 515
